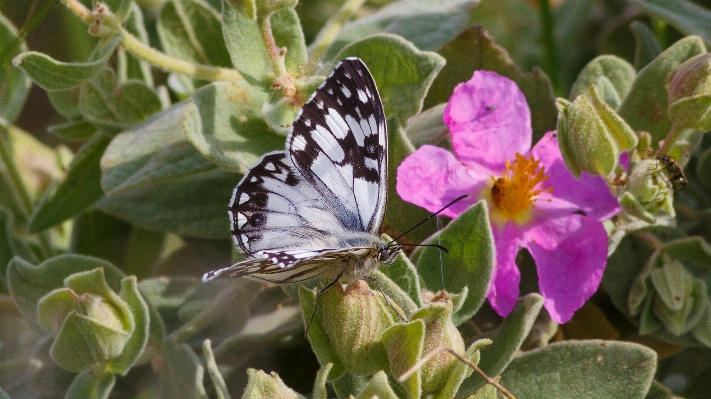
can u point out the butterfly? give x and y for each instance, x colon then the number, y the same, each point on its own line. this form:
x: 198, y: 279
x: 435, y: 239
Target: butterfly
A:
x: 315, y: 210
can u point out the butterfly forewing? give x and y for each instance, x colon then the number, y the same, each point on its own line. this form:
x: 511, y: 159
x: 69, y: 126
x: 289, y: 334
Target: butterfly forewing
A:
x: 339, y: 145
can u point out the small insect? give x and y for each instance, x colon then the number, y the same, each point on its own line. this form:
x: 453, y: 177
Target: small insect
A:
x: 674, y: 172
x: 491, y: 107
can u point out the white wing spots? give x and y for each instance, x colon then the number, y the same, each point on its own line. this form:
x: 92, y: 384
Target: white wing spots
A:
x: 241, y: 220
x: 330, y: 91
x: 366, y: 127
x: 374, y: 127
x: 331, y: 176
x: 368, y: 93
x: 361, y: 96
x: 356, y: 129
x: 371, y: 163
x: 243, y: 198
x: 345, y: 91
x: 347, y: 173
x: 307, y: 122
x: 335, y: 122
x: 281, y: 175
x: 338, y: 100
x: 365, y: 192
x: 254, y: 179
x: 270, y: 167
x: 298, y: 143
x: 319, y: 104
x: 346, y: 74
x: 328, y: 143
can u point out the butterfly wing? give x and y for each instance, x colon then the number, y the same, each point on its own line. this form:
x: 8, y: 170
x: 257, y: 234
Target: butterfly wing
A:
x: 295, y: 266
x: 274, y: 208
x: 339, y: 145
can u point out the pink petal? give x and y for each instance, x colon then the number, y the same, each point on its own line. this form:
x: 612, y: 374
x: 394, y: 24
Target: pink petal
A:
x: 488, y: 120
x: 570, y: 254
x: 591, y: 194
x: 431, y: 177
x: 504, y: 290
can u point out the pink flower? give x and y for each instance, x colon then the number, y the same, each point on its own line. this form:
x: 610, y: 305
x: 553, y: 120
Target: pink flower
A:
x: 534, y: 201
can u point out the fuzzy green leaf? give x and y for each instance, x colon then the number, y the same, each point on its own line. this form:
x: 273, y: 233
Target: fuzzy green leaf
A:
x: 90, y: 385
x: 402, y: 72
x: 614, y: 69
x: 74, y: 131
x: 139, y: 337
x: 181, y: 373
x: 404, y: 344
x: 582, y: 369
x: 686, y: 16
x: 403, y: 273
x: 379, y: 387
x: 14, y: 84
x: 647, y: 47
x: 644, y: 108
x: 79, y: 189
x: 288, y: 34
x: 28, y: 283
x: 470, y: 260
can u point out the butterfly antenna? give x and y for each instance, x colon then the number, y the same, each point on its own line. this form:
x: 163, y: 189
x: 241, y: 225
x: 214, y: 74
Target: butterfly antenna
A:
x: 461, y: 197
x: 318, y: 296
x: 441, y: 247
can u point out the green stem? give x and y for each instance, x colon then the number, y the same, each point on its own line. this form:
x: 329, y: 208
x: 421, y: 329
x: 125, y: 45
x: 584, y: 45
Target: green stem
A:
x: 214, y: 310
x: 329, y: 32
x: 151, y: 55
x: 550, y: 57
x: 672, y: 137
x: 275, y: 55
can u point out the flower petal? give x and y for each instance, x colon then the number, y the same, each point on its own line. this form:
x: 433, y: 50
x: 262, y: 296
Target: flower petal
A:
x: 488, y: 120
x: 570, y: 254
x: 431, y: 177
x: 504, y: 290
x: 591, y: 194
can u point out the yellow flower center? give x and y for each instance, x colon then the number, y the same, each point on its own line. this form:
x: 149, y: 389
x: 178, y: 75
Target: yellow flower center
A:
x: 513, y: 194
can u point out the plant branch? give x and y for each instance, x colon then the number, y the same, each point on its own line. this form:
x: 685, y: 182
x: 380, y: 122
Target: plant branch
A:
x: 476, y: 368
x: 151, y: 55
x: 329, y: 32
x: 672, y: 137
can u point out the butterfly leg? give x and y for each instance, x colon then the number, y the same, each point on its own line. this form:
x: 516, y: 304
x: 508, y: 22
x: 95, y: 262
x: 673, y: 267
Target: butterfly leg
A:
x: 387, y: 302
x: 318, y: 296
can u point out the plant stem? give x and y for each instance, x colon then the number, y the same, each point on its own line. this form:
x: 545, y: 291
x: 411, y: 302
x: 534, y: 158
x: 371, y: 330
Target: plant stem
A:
x: 153, y: 56
x: 328, y: 33
x: 550, y: 57
x: 277, y: 59
x: 672, y: 137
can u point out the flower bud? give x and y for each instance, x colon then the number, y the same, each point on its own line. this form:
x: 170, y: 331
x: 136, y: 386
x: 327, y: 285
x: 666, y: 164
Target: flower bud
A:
x: 689, y: 93
x: 91, y: 323
x: 647, y: 192
x: 267, y: 386
x: 439, y: 331
x: 591, y: 134
x: 353, y: 321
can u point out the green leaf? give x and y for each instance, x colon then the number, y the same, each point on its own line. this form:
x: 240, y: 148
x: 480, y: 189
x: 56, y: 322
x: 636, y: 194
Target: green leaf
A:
x: 128, y: 65
x: 401, y: 216
x: 378, y: 387
x: 14, y: 84
x: 320, y: 382
x: 28, y: 283
x: 97, y: 234
x: 618, y: 72
x: 191, y: 30
x: 394, y: 292
x: 265, y: 386
x: 181, y: 373
x: 226, y: 125
x: 107, y: 104
x: 139, y: 336
x: 215, y: 375
x: 90, y: 385
x: 473, y: 50
x: 246, y: 47
x: 402, y: 73
x: 507, y: 341
x: 647, y: 47
x: 703, y: 168
x: 3, y: 394
x: 317, y: 336
x: 470, y: 260
x: 66, y: 102
x: 288, y: 34
x: 645, y: 106
x: 582, y: 369
x: 403, y: 273
x: 658, y: 391
x: 11, y: 246
x: 79, y: 189
x: 404, y: 344
x: 51, y: 74
x: 427, y: 24
x: 687, y: 17
x: 74, y: 131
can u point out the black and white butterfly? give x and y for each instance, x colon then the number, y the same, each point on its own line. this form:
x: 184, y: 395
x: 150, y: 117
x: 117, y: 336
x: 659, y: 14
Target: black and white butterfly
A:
x: 316, y: 209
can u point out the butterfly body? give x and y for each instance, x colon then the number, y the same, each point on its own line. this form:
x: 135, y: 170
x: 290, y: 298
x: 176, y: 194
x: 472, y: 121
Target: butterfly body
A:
x: 316, y: 209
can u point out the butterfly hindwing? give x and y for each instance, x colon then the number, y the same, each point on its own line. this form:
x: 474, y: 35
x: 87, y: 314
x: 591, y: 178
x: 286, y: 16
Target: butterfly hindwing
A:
x: 339, y: 145
x: 274, y: 208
